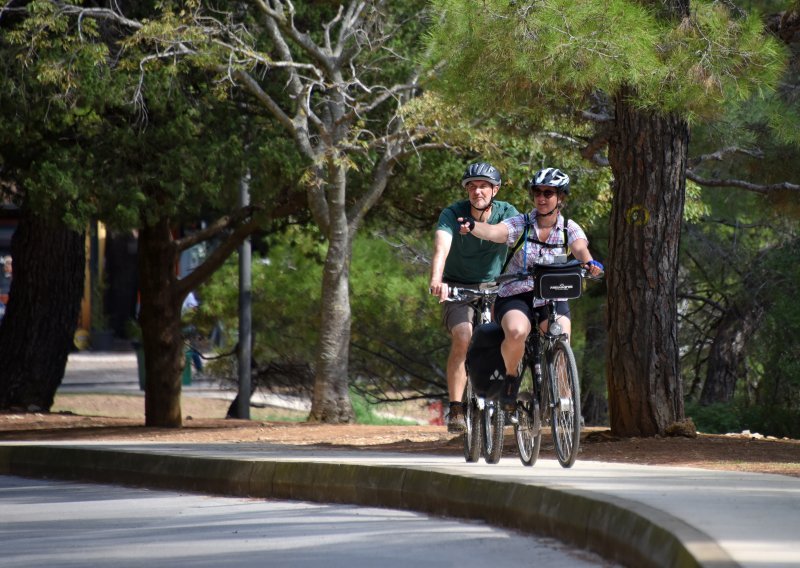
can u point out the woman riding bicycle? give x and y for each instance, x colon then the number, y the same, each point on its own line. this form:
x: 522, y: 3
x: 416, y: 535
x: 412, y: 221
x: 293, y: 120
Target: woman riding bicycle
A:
x: 545, y: 233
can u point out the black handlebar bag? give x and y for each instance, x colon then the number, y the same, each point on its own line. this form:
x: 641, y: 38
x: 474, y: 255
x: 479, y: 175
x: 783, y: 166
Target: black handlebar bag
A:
x: 554, y: 282
x: 485, y: 365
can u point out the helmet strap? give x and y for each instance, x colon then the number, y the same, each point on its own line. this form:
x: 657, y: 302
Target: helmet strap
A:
x: 482, y: 210
x: 553, y: 210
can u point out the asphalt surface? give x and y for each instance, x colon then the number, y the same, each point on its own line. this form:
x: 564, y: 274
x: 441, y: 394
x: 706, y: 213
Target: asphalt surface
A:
x: 62, y: 524
x: 634, y: 515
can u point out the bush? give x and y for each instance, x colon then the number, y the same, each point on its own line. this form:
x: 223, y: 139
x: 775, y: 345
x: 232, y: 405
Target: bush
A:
x: 717, y: 418
x: 734, y: 417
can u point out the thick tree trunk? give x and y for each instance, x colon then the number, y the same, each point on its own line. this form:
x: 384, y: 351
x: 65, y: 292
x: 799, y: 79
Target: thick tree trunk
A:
x: 648, y: 155
x: 37, y: 331
x: 726, y: 358
x: 160, y: 321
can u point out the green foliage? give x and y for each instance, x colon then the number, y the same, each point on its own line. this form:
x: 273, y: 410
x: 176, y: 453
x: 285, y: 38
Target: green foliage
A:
x: 54, y: 83
x: 86, y: 135
x: 514, y: 144
x: 776, y: 348
x: 397, y: 331
x: 544, y: 55
x: 717, y: 418
x: 285, y: 294
x: 396, y: 326
x: 737, y: 417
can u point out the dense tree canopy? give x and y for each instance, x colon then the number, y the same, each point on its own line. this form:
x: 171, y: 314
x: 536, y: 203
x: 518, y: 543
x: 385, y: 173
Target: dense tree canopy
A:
x: 147, y: 115
x: 642, y: 72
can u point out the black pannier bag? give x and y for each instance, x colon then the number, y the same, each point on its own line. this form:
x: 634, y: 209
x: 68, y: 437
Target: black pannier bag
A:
x: 558, y: 282
x: 485, y: 364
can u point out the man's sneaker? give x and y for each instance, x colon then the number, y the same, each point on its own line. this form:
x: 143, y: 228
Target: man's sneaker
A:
x: 456, y: 421
x: 508, y: 400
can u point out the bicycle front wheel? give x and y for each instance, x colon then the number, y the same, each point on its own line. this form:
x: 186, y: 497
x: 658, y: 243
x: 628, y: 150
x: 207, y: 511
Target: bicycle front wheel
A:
x: 566, y: 402
x: 493, y: 424
x: 473, y: 434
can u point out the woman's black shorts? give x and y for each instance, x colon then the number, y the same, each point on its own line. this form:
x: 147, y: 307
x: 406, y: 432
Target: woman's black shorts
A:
x: 524, y: 303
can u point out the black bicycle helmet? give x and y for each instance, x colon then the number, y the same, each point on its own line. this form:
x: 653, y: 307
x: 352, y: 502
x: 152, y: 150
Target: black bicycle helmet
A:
x: 481, y: 171
x: 551, y: 177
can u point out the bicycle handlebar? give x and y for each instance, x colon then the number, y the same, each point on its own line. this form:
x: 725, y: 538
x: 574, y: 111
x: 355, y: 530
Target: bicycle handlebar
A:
x: 529, y: 273
x: 459, y: 294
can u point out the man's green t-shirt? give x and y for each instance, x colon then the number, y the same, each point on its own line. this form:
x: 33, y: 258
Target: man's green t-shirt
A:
x: 472, y: 260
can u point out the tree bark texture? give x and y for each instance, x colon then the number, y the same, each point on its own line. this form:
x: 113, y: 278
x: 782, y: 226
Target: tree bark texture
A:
x: 648, y: 154
x: 331, y: 399
x: 37, y: 332
x: 160, y: 322
x: 727, y: 355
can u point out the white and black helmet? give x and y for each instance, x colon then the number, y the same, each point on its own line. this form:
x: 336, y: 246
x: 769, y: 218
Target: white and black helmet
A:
x: 550, y: 177
x: 481, y: 171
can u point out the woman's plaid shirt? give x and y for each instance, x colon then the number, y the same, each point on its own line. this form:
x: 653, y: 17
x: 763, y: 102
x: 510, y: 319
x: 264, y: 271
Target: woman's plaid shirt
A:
x: 536, y: 253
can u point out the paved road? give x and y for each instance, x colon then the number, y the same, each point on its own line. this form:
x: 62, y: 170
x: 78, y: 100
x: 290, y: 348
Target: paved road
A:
x: 117, y: 372
x: 62, y: 524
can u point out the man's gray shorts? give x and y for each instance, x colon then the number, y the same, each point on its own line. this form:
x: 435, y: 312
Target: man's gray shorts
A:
x: 455, y: 313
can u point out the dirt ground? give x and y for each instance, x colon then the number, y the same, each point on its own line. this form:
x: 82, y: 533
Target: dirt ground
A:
x: 120, y: 418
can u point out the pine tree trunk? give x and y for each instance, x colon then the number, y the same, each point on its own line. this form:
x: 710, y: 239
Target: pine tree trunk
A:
x: 727, y: 354
x: 160, y: 321
x: 648, y: 154
x: 37, y: 331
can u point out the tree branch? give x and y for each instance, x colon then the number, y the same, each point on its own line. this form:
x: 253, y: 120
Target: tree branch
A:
x: 217, y: 258
x: 218, y: 226
x: 721, y: 153
x: 756, y: 188
x: 98, y: 13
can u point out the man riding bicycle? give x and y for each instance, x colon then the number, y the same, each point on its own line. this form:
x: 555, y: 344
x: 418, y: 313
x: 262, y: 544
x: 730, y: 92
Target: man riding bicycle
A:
x: 545, y: 233
x: 466, y: 261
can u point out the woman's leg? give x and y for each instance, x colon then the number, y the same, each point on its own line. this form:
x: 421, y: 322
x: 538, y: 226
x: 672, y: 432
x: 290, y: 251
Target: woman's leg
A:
x: 516, y: 327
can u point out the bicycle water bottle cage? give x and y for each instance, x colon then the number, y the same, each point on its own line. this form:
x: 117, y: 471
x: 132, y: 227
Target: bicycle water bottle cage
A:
x: 558, y: 281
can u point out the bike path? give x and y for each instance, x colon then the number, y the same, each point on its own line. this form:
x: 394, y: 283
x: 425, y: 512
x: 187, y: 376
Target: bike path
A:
x: 636, y: 515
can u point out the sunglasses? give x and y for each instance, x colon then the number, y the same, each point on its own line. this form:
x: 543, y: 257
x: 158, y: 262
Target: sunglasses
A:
x: 548, y: 193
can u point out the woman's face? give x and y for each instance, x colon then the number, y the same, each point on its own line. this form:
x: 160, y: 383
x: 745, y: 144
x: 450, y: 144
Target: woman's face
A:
x: 545, y: 198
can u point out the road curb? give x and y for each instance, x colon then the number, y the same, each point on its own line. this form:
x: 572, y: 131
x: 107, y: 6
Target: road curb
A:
x: 618, y: 529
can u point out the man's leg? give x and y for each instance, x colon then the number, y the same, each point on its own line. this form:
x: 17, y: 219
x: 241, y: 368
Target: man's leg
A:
x: 457, y: 375
x: 456, y: 369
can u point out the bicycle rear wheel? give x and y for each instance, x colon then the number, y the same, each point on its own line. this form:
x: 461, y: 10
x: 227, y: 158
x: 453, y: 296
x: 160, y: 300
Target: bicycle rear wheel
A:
x: 493, y: 424
x: 566, y: 402
x: 473, y: 434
